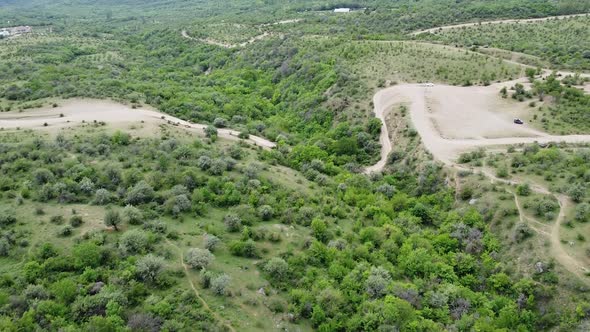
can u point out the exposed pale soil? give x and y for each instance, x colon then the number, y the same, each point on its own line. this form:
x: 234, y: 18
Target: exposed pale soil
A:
x: 78, y: 111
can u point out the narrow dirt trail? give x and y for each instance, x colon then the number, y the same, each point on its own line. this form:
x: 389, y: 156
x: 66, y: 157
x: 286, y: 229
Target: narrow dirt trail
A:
x: 528, y: 20
x: 570, y: 263
x: 527, y: 220
x: 552, y: 232
x: 196, y: 292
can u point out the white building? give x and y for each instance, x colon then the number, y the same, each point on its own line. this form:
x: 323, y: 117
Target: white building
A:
x: 342, y: 10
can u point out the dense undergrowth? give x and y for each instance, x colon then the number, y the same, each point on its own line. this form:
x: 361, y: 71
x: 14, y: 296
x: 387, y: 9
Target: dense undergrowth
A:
x: 388, y: 251
x: 93, y: 222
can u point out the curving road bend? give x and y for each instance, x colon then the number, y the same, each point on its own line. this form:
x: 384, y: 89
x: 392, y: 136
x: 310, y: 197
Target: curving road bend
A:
x: 477, y: 116
x: 261, y: 36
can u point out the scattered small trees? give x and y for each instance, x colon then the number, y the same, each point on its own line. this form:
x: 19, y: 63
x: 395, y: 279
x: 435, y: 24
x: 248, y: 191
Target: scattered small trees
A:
x: 523, y: 189
x: 265, y: 212
x: 86, y: 254
x: 218, y: 166
x: 220, y: 123
x: 320, y: 230
x: 211, y: 132
x: 102, y: 197
x: 220, y: 283
x: 530, y: 73
x: 132, y: 215
x: 149, y: 267
x: 112, y: 218
x: 42, y: 176
x: 76, y: 221
x: 142, y: 192
x: 577, y: 192
x: 134, y: 241
x: 521, y: 232
x: 7, y: 218
x: 86, y: 186
x: 233, y: 223
x: 204, y: 162
x: 211, y: 242
x: 198, y: 258
x: 277, y: 268
x: 582, y: 212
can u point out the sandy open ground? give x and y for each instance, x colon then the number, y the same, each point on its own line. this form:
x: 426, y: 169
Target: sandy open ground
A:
x: 77, y: 111
x: 452, y: 120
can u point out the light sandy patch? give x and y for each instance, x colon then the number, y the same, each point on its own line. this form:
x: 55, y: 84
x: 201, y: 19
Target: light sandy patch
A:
x: 79, y: 111
x: 452, y: 120
x: 473, y: 113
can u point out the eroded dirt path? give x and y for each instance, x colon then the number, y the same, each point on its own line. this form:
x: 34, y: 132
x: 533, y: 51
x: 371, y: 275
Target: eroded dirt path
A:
x: 78, y: 111
x: 196, y: 292
x: 550, y: 231
x: 507, y: 21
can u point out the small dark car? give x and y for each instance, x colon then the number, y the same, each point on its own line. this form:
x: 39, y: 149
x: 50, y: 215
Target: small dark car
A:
x: 518, y: 121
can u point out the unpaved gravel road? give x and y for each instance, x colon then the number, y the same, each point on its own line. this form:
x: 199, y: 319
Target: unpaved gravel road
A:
x: 77, y: 111
x: 452, y: 120
x: 463, y: 25
x: 263, y: 35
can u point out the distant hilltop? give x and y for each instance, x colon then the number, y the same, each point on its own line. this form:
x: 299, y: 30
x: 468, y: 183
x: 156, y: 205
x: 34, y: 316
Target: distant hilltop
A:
x: 13, y: 31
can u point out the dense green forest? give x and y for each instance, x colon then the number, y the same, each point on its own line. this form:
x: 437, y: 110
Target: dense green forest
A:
x: 108, y: 227
x: 389, y: 251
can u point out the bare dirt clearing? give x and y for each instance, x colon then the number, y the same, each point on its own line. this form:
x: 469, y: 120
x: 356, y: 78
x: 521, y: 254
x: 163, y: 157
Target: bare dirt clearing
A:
x: 529, y: 20
x: 78, y: 111
x: 452, y: 120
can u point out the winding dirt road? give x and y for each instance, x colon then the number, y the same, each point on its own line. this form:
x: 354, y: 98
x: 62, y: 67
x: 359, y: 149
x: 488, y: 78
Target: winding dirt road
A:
x: 79, y: 111
x: 226, y: 45
x: 261, y: 36
x: 528, y: 20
